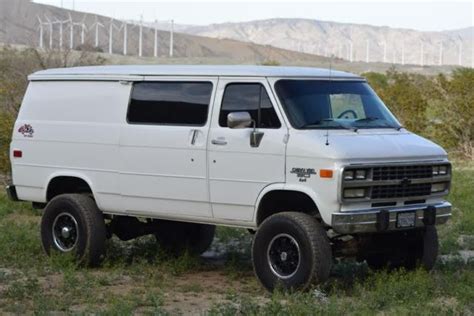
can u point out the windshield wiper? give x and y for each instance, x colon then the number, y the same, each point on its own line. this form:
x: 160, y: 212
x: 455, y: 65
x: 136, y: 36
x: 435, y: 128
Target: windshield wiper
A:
x: 385, y: 123
x: 339, y: 124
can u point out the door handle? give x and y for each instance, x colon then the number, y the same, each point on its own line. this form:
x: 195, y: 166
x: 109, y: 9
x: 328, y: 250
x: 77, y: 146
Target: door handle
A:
x: 219, y: 141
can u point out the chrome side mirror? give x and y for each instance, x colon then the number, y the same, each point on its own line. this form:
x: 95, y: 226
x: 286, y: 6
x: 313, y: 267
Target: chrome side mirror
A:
x: 239, y: 120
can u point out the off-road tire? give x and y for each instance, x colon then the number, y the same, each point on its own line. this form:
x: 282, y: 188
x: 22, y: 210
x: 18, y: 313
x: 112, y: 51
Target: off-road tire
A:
x: 90, y: 246
x: 179, y: 237
x: 315, y: 256
x: 409, y: 250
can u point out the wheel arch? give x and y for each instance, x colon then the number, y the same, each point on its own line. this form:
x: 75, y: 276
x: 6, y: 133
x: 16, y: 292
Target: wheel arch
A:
x: 67, y: 182
x: 281, y: 197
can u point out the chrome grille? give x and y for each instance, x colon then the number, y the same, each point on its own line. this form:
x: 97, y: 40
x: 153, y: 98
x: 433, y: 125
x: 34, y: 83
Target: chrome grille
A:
x: 393, y: 181
x: 402, y: 172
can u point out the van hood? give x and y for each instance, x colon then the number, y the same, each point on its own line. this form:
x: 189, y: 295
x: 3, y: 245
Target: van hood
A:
x: 366, y: 145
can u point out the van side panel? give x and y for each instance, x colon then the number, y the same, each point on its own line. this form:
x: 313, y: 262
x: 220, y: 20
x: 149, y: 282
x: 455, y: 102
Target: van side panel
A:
x: 75, y: 129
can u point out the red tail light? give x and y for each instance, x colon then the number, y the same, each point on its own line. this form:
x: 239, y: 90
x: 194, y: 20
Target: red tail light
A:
x: 17, y: 153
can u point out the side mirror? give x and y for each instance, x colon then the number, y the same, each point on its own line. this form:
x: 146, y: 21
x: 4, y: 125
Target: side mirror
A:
x: 239, y: 120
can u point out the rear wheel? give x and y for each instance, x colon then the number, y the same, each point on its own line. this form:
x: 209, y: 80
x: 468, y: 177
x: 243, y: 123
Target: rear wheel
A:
x: 178, y: 237
x: 291, y: 250
x: 404, y: 249
x: 72, y: 223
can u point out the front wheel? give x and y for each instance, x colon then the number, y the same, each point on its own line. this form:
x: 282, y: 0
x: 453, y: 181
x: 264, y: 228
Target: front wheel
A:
x: 72, y: 223
x: 291, y: 250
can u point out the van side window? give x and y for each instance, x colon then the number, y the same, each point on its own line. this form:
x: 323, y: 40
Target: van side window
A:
x: 170, y: 103
x: 252, y: 98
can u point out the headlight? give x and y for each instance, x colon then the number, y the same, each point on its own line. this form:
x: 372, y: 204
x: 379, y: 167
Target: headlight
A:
x: 355, y: 174
x: 349, y: 175
x: 360, y: 174
x: 443, y: 170
x: 440, y: 170
x: 354, y: 193
x: 438, y: 187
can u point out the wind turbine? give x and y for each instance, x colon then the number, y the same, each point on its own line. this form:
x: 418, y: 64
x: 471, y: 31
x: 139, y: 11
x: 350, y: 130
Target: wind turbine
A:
x: 96, y: 25
x: 125, y: 35
x: 155, y: 47
x: 440, y: 61
x: 171, y: 37
x: 367, y: 56
x: 460, y: 50
x: 50, y: 32
x: 41, y: 44
x: 421, y: 54
x: 384, y: 43
x: 111, y: 34
x: 140, y: 38
x: 403, y: 52
x: 71, y: 34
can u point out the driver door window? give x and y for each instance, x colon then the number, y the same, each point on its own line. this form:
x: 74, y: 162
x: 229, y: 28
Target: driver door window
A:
x: 347, y: 106
x: 251, y: 98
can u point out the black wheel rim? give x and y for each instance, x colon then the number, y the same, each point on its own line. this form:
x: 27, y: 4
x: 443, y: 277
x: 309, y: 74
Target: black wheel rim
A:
x: 65, y: 232
x: 283, y: 256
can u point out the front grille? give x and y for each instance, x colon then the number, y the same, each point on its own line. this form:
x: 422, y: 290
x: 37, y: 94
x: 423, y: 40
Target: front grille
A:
x: 385, y: 183
x: 400, y: 191
x: 402, y: 172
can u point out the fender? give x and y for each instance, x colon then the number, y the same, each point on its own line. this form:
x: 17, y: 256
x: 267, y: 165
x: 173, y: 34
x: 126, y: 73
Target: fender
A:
x: 286, y: 187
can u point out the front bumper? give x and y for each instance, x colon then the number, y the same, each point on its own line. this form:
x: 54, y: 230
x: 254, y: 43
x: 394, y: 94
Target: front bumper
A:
x: 367, y: 221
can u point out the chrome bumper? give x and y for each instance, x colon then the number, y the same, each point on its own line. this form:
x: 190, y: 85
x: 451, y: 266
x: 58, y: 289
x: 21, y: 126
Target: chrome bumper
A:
x: 367, y: 221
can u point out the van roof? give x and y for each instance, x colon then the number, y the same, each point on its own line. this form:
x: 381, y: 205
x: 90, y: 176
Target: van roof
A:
x: 118, y: 71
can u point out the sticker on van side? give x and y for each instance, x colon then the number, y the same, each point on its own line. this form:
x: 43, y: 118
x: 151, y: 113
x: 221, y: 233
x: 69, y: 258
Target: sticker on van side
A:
x: 26, y: 130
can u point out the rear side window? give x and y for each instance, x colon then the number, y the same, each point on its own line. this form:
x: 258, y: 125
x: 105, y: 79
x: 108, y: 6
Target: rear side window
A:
x: 170, y: 103
x: 252, y: 98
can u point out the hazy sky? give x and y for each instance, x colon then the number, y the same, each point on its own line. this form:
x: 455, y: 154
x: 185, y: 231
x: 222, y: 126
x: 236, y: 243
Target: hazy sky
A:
x: 418, y: 14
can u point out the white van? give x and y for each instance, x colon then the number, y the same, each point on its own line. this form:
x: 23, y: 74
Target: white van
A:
x: 309, y: 159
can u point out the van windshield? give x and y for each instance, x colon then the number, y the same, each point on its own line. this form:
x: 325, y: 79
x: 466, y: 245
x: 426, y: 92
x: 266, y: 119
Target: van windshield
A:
x: 323, y: 104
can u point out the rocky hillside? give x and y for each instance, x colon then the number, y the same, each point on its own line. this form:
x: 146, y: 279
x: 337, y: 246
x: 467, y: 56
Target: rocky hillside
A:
x: 19, y: 25
x: 369, y: 43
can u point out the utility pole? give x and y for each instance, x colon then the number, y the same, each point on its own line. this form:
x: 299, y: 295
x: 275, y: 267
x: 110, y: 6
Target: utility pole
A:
x: 460, y: 51
x: 171, y: 37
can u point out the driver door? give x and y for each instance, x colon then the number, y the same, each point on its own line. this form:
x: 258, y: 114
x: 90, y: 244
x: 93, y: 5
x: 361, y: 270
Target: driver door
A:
x: 238, y: 172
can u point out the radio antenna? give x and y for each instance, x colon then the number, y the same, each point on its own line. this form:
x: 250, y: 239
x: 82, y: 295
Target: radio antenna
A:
x: 330, y: 80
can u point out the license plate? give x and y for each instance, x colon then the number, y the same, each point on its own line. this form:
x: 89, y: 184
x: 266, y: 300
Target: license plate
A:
x: 406, y: 219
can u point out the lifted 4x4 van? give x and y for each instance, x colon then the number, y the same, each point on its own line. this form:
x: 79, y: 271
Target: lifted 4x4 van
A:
x: 310, y: 159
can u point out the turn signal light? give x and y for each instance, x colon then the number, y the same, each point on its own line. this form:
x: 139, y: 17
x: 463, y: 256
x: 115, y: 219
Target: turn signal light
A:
x: 17, y: 154
x: 325, y: 173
